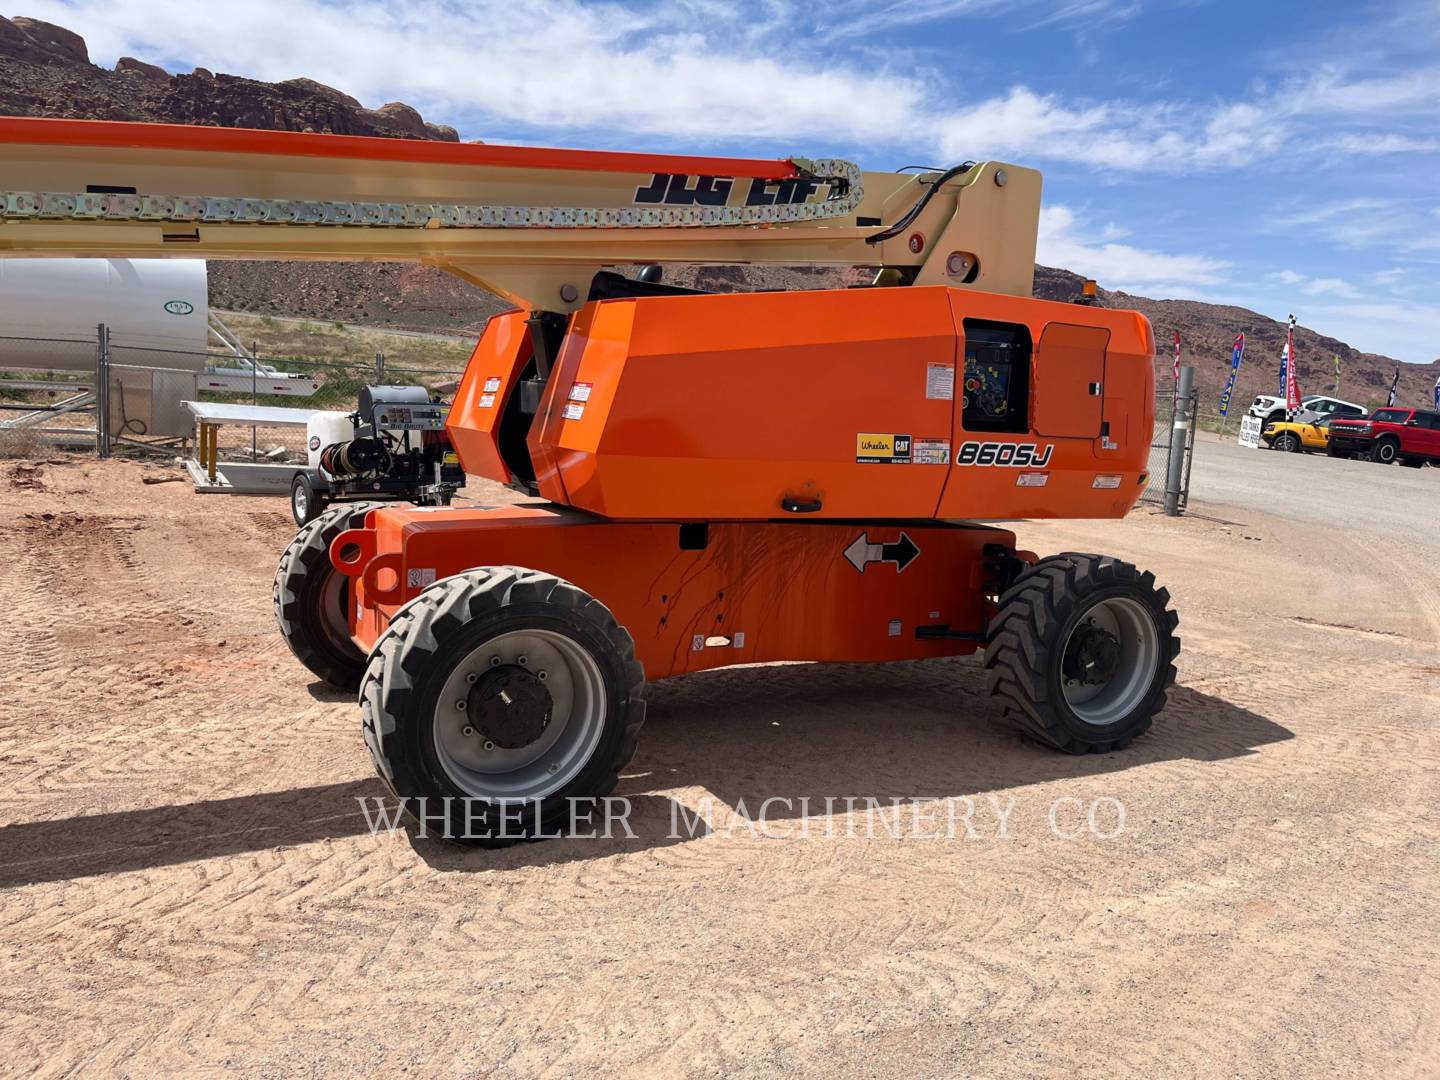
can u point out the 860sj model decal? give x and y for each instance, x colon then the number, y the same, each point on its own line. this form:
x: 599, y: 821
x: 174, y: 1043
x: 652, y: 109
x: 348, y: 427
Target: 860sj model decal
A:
x: 1005, y: 454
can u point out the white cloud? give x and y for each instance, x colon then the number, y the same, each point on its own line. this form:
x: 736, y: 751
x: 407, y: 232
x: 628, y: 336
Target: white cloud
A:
x: 1062, y: 242
x: 702, y: 72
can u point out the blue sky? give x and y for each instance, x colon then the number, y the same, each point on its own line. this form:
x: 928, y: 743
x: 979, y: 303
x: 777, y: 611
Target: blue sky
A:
x: 1282, y: 156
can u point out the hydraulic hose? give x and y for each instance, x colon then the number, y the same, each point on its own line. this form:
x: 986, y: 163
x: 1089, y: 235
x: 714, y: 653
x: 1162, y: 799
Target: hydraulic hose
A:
x: 920, y: 204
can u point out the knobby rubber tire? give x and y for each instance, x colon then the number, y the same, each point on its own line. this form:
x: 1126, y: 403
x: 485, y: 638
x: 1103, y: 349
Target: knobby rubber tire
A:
x: 438, y: 630
x: 298, y: 593
x: 1027, y: 635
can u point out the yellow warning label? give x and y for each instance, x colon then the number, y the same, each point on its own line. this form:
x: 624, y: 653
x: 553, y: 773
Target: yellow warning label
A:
x: 874, y: 447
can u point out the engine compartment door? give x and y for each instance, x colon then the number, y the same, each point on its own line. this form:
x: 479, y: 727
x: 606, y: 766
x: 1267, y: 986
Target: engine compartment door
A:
x: 1069, y: 381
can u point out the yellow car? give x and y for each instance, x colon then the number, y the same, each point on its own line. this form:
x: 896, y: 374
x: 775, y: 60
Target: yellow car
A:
x: 1293, y: 436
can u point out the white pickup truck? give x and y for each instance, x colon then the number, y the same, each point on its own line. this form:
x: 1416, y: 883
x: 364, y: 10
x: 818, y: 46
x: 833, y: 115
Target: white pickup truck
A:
x: 1271, y: 410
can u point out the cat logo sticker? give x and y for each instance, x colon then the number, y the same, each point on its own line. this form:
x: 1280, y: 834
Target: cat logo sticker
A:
x: 872, y: 448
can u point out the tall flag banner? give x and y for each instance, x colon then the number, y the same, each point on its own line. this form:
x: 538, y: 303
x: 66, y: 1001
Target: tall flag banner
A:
x: 1292, y: 384
x: 1337, y: 376
x: 1236, y: 355
x: 1175, y: 372
x: 1437, y: 391
x: 1394, y: 387
x: 1284, y: 365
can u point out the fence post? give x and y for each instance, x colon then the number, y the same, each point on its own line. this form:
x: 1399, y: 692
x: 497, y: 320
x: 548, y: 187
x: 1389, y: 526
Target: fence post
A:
x: 254, y: 394
x: 102, y: 391
x: 1179, y: 440
x: 379, y: 369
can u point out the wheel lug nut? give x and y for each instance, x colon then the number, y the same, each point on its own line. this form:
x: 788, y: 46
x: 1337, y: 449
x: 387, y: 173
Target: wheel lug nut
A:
x: 542, y: 675
x: 489, y: 745
x: 460, y: 704
x: 472, y: 678
x: 467, y: 731
x: 554, y: 766
x: 494, y: 661
x: 522, y: 660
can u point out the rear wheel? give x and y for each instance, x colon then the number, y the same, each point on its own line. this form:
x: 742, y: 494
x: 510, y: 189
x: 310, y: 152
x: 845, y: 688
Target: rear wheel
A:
x: 312, y: 599
x: 305, y: 503
x: 1082, y: 652
x: 1385, y: 451
x: 501, y: 703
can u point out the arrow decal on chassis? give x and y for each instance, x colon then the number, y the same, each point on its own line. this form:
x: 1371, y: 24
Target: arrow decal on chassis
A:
x: 862, y: 552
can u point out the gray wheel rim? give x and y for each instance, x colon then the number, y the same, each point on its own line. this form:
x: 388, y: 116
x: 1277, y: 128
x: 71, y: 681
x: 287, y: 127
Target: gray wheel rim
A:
x: 1112, y: 701
x: 335, y: 611
x: 577, y: 692
x: 301, y: 504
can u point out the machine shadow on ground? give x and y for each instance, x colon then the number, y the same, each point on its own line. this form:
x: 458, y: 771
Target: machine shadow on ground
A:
x: 920, y: 729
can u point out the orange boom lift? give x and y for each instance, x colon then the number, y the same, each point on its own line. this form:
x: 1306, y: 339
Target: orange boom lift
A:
x: 721, y: 479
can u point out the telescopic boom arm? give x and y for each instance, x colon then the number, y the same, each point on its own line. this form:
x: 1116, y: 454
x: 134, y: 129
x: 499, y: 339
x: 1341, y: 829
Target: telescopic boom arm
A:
x: 532, y: 225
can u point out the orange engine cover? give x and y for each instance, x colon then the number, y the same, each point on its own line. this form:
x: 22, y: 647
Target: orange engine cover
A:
x: 832, y: 404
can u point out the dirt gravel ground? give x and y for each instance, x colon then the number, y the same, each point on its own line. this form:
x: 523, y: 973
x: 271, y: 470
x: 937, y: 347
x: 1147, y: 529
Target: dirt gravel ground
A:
x: 187, y: 886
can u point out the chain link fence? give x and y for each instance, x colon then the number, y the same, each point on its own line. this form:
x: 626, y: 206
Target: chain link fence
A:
x: 114, y: 391
x: 1170, y: 406
x: 47, y: 392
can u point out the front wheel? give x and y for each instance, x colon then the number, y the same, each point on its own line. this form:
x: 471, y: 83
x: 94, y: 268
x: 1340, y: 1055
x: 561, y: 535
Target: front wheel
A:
x: 500, y: 703
x: 1286, y: 443
x: 1082, y: 651
x: 1385, y: 451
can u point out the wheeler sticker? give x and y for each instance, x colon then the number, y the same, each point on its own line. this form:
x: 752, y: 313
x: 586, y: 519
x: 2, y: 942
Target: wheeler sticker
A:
x: 1032, y: 479
x: 940, y: 382
x: 931, y: 451
x: 873, y: 448
x: 492, y: 384
x: 419, y: 578
x: 580, y: 391
x: 1005, y: 455
x: 573, y: 411
x: 1105, y: 481
x: 487, y: 401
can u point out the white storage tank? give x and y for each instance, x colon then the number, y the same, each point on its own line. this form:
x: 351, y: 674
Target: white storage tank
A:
x: 157, y: 312
x: 152, y: 307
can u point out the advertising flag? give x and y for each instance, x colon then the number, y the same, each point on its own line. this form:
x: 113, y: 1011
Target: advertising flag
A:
x: 1437, y: 391
x: 1394, y: 386
x: 1284, y: 365
x: 1292, y: 383
x: 1175, y: 371
x: 1337, y: 376
x: 1236, y: 355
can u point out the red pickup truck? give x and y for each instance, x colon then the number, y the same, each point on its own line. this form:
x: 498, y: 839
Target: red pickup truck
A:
x: 1410, y: 436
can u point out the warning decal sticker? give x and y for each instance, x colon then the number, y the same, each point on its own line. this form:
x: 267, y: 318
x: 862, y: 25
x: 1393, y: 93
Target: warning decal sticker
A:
x: 492, y: 384
x: 940, y: 382
x: 573, y: 411
x: 580, y: 391
x: 932, y: 452
x: 873, y: 448
x: 487, y: 401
